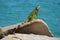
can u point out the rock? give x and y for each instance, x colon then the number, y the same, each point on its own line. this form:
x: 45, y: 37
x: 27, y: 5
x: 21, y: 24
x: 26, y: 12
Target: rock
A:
x: 1, y: 33
x: 37, y: 26
x: 28, y: 37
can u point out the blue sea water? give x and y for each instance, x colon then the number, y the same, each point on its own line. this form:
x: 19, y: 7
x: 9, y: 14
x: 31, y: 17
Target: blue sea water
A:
x: 15, y: 11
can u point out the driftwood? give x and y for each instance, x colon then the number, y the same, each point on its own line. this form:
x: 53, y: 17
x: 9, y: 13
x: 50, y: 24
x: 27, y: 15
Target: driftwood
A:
x: 34, y: 27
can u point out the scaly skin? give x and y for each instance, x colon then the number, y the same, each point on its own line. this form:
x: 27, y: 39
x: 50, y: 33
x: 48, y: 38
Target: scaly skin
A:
x: 33, y: 15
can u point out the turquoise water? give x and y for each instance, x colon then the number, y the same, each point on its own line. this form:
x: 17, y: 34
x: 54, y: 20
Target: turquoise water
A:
x: 15, y: 11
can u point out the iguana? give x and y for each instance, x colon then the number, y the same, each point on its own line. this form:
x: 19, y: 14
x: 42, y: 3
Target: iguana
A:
x: 33, y: 15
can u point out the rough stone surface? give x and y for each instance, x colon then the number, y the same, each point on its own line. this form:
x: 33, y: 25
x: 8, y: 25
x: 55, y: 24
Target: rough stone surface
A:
x: 28, y: 37
x: 38, y: 27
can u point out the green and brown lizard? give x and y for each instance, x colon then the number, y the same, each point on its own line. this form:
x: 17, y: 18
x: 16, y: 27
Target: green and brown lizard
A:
x: 33, y: 15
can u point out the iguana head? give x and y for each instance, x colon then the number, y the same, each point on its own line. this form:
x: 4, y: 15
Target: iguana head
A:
x: 37, y: 8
